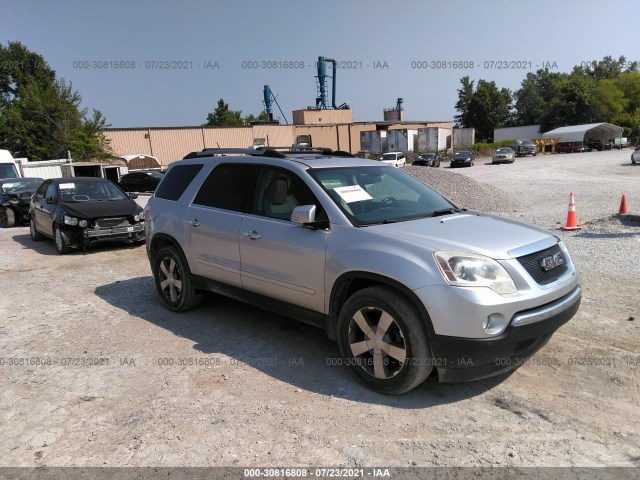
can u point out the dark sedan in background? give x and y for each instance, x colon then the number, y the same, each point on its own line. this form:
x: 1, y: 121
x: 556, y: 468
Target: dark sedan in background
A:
x: 80, y: 211
x: 427, y: 160
x: 465, y: 158
x: 146, y: 181
x: 15, y: 197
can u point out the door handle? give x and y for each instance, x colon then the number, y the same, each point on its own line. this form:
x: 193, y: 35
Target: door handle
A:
x: 194, y: 222
x: 252, y: 234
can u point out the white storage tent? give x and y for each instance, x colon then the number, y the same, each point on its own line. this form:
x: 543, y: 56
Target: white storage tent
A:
x: 578, y: 133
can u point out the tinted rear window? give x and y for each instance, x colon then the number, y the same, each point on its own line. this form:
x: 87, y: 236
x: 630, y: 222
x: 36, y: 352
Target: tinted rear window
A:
x: 176, y: 181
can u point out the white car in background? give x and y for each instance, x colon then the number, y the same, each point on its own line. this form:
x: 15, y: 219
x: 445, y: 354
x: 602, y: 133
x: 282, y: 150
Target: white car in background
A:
x: 397, y: 159
x: 635, y: 156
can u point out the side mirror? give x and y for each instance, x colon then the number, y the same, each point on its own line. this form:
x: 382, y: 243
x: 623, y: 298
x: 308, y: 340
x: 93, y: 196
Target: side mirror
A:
x: 51, y: 200
x: 133, y: 196
x: 304, y: 214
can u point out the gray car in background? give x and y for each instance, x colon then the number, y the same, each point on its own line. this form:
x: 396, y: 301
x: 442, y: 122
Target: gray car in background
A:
x: 405, y: 281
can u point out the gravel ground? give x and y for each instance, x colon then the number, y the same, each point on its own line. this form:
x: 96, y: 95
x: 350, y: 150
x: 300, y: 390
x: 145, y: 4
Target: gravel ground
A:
x: 231, y: 385
x: 536, y: 190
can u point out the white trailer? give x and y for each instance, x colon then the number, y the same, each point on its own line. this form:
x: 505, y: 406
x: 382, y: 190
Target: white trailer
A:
x: 434, y: 139
x: 528, y: 132
x: 44, y: 169
x: 403, y: 140
x: 374, y: 141
x: 463, y: 137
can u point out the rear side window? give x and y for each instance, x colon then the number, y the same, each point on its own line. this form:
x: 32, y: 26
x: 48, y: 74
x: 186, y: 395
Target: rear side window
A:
x: 176, y: 181
x: 228, y: 187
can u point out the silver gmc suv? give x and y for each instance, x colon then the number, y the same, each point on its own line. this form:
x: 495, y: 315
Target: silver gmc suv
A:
x: 405, y: 281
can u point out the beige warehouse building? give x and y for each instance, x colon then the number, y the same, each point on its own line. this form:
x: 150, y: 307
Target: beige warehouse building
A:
x: 327, y: 128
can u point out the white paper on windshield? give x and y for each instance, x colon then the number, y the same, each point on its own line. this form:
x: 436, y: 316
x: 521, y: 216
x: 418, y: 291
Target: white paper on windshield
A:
x: 67, y: 186
x: 352, y: 193
x: 10, y: 185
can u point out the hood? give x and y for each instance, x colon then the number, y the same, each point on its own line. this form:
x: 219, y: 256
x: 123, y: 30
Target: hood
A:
x: 106, y: 208
x: 467, y: 232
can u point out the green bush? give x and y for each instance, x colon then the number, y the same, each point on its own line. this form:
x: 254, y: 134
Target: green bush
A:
x: 487, y: 149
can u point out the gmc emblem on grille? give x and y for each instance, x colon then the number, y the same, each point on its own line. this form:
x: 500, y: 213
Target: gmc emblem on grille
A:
x: 552, y: 261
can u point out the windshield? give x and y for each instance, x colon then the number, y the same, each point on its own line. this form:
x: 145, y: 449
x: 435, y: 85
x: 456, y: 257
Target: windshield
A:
x: 373, y: 195
x: 8, y: 170
x: 74, y: 192
x: 504, y: 150
x: 20, y: 184
x: 461, y: 154
x: 427, y: 155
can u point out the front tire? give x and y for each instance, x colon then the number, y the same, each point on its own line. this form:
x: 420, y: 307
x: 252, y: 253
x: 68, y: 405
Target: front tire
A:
x: 7, y: 217
x: 58, y: 237
x: 383, y: 341
x: 173, y: 281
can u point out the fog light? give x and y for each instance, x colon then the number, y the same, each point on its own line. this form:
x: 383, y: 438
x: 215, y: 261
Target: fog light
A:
x: 494, y: 323
x: 82, y: 223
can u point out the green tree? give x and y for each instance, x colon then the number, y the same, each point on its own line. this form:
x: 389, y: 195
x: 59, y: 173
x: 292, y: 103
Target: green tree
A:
x: 536, y: 93
x: 41, y: 117
x: 262, y: 117
x: 222, y: 116
x: 484, y: 108
x: 465, y: 95
x: 574, y: 103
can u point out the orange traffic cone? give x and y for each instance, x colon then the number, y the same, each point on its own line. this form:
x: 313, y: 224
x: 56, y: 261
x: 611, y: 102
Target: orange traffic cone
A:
x: 572, y: 223
x: 623, y: 206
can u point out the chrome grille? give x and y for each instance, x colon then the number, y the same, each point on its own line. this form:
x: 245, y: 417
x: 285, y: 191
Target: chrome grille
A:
x: 531, y: 264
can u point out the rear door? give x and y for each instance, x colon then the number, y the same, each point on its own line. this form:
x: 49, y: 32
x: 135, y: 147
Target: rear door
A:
x: 213, y: 222
x: 280, y: 258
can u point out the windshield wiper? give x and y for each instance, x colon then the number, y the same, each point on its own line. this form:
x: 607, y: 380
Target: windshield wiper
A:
x: 446, y: 211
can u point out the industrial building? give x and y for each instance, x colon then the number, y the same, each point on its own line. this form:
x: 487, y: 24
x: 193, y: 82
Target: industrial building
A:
x: 326, y: 124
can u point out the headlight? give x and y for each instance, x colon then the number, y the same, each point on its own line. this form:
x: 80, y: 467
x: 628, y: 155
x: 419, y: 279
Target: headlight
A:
x: 70, y: 220
x: 463, y: 269
x: 83, y: 223
x: 137, y: 217
x: 14, y: 201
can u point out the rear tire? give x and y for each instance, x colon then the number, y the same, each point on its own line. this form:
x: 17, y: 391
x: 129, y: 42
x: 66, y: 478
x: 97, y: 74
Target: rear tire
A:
x: 36, y: 236
x: 383, y: 341
x: 7, y: 217
x: 173, y: 281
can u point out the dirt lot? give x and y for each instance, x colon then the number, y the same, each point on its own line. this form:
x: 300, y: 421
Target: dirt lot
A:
x: 95, y: 372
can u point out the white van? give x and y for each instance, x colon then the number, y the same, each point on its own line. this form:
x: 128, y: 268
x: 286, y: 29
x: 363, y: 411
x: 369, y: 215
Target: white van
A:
x: 8, y: 168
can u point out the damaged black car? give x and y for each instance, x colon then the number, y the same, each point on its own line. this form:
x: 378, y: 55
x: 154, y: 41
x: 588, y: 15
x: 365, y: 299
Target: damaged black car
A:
x: 80, y: 211
x: 15, y: 197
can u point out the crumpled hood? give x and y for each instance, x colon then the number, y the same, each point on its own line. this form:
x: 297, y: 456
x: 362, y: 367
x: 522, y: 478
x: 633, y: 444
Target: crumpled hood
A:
x: 468, y: 232
x: 105, y: 208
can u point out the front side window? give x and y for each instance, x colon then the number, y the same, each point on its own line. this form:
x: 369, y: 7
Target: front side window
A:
x: 374, y: 195
x: 279, y: 191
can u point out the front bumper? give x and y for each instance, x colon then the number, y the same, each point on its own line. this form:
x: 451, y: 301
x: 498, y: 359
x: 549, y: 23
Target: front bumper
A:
x: 466, y: 359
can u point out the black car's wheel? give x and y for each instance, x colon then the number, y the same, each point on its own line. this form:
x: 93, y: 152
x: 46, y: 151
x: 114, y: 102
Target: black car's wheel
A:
x: 58, y: 237
x: 173, y: 281
x: 36, y: 236
x: 7, y: 217
x: 384, y: 341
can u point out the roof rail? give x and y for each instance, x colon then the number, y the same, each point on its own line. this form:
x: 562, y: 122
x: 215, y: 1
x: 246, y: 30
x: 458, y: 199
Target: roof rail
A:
x: 211, y: 152
x: 272, y: 152
x: 310, y: 151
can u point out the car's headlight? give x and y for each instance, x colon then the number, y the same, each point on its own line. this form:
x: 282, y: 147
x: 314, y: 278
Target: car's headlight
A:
x: 464, y: 269
x: 14, y: 201
x: 70, y: 220
x: 137, y: 217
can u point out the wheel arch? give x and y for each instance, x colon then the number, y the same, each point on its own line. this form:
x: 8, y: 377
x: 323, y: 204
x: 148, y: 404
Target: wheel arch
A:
x: 162, y: 240
x: 349, y: 283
